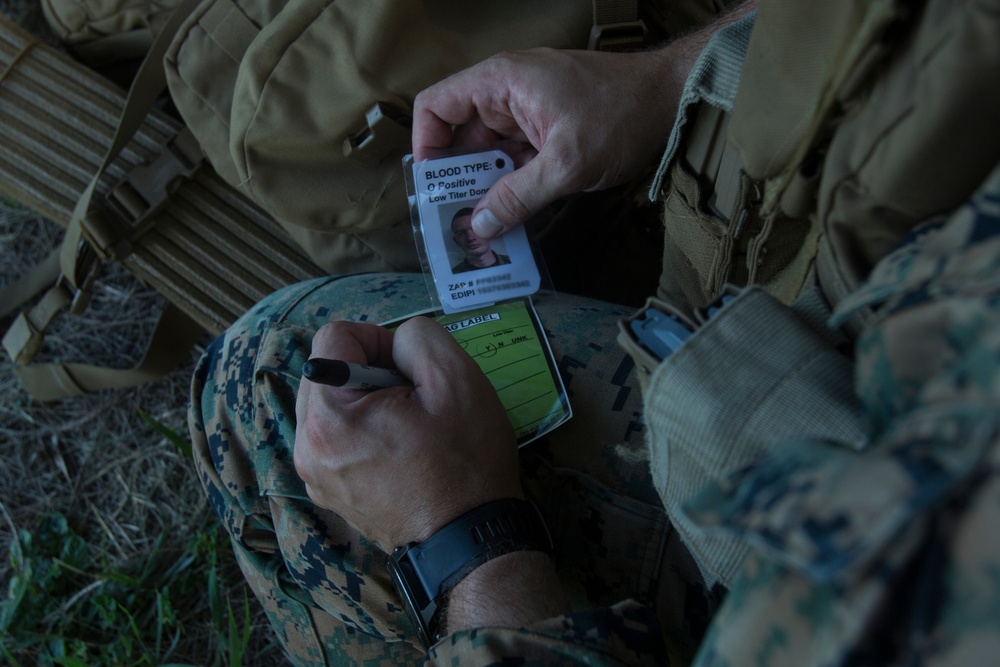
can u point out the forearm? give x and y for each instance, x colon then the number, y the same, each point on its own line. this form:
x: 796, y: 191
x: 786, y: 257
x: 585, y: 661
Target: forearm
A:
x: 665, y: 69
x: 679, y: 55
x: 514, y: 590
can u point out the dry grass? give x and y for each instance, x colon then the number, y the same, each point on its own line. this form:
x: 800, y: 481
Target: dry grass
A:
x: 121, y: 485
x: 124, y: 488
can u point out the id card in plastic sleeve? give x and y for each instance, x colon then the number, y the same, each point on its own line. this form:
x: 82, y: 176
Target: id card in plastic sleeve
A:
x: 468, y: 271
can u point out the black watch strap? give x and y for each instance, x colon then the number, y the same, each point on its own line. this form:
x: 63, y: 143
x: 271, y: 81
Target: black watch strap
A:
x: 424, y: 572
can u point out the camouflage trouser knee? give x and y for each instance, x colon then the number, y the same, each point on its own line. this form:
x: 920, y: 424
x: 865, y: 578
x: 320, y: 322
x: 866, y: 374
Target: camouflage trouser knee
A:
x: 323, y: 585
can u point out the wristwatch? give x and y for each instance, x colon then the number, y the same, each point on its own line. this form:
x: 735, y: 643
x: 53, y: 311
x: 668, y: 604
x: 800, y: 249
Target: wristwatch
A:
x: 423, y: 573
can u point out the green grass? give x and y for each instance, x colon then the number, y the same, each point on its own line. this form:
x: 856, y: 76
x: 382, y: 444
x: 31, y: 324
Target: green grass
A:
x: 65, y: 607
x: 182, y: 445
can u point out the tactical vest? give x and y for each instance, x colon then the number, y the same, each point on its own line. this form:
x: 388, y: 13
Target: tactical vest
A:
x: 811, y: 139
x: 851, y: 123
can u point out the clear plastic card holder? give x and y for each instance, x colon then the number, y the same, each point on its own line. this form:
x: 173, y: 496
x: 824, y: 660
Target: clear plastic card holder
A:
x: 462, y: 269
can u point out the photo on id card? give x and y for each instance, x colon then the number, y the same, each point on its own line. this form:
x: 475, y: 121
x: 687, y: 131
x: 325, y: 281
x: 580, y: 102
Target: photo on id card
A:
x: 468, y: 270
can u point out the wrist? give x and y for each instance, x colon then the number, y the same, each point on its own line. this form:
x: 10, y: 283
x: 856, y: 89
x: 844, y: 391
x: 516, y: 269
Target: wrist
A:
x: 417, y: 525
x: 514, y: 590
x: 424, y: 573
x: 680, y: 54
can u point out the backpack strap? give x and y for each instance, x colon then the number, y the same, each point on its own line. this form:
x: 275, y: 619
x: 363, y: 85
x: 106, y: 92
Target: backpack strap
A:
x: 92, y: 238
x: 27, y: 286
x: 174, y: 336
x: 151, y: 181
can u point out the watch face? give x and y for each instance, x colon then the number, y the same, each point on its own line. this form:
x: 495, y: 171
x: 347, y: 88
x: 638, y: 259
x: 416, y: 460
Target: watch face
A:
x: 402, y: 575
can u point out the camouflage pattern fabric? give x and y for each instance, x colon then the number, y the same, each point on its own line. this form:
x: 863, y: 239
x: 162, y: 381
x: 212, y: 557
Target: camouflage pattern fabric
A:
x: 886, y: 556
x: 880, y: 555
x: 326, y: 588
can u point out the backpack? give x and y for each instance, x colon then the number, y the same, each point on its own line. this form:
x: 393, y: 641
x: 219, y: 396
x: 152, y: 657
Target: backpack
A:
x: 304, y: 105
x: 102, y: 32
x: 252, y: 81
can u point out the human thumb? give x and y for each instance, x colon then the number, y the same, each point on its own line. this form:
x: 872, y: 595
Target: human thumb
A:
x: 515, y: 198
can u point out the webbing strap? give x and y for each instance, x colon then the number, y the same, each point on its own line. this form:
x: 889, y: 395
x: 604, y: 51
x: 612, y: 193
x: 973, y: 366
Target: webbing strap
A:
x: 617, y: 25
x: 79, y: 265
x: 21, y: 291
x: 172, y: 340
x: 24, y: 338
x: 141, y: 194
x: 150, y: 81
x: 26, y: 334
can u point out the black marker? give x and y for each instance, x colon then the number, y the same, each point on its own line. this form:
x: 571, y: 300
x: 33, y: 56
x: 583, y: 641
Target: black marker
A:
x: 338, y: 373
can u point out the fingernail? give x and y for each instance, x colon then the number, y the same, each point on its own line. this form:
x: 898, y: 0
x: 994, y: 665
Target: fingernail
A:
x: 486, y: 224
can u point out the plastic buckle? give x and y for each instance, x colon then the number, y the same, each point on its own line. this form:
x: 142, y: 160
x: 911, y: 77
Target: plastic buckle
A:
x: 25, y: 335
x: 78, y: 299
x: 22, y: 340
x: 618, y: 36
x: 386, y: 129
x: 145, y: 189
x: 728, y: 293
x: 659, y: 332
x: 78, y: 294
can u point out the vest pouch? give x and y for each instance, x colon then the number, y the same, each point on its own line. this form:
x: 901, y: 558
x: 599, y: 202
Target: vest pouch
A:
x: 798, y: 57
x: 753, y: 375
x: 707, y: 213
x: 889, y: 106
x: 697, y: 246
x: 714, y: 232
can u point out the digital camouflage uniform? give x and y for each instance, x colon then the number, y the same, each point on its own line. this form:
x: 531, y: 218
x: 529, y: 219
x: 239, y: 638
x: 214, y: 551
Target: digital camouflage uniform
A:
x: 846, y: 529
x: 888, y: 555
x: 326, y: 588
x: 885, y: 554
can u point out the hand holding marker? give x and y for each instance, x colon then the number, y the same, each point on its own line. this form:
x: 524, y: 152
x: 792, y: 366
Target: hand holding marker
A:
x: 344, y: 374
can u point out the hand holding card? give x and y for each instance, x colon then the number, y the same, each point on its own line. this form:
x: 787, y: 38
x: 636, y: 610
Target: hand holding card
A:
x: 467, y: 270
